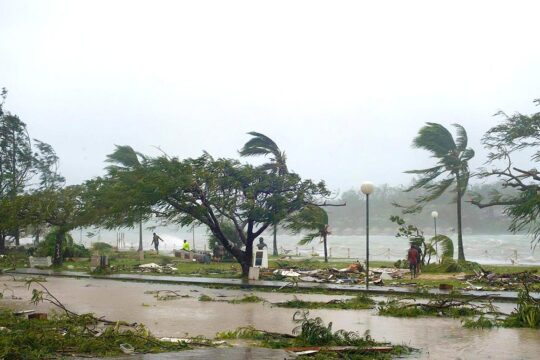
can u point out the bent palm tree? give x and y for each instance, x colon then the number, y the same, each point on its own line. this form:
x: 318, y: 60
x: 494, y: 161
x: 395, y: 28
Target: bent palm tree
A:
x: 453, y: 157
x: 259, y: 145
x: 315, y: 220
x: 124, y: 158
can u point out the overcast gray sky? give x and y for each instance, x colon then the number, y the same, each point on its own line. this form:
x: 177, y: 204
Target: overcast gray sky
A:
x: 342, y: 87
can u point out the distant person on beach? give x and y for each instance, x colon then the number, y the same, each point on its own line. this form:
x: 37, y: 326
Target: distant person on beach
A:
x: 412, y: 258
x: 155, y: 241
x: 185, y: 246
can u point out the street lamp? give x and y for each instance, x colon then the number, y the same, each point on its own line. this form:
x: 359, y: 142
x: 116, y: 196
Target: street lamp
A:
x: 367, y: 188
x: 435, y: 215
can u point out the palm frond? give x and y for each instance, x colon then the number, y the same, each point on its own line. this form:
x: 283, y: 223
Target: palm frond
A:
x: 461, y: 139
x: 444, y: 245
x: 436, y: 139
x: 123, y: 156
x: 308, y: 238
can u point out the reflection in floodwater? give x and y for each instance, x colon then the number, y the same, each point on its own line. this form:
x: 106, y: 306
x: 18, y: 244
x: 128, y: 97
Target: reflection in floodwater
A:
x: 438, y: 338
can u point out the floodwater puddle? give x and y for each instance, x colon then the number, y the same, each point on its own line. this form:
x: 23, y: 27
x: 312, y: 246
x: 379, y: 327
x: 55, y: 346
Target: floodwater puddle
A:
x: 437, y: 338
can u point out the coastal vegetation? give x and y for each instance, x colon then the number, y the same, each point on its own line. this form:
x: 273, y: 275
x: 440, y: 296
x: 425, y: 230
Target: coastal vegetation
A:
x: 453, y: 157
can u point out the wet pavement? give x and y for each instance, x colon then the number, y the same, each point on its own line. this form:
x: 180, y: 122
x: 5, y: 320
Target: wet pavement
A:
x: 165, y: 279
x: 435, y: 337
x: 215, y: 354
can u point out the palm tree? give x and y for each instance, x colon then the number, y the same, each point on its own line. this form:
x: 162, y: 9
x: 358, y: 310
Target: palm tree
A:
x: 453, y: 157
x: 124, y: 158
x: 259, y: 145
x: 313, y: 219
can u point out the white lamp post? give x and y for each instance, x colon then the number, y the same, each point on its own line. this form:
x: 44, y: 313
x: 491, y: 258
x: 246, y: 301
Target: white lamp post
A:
x: 367, y: 188
x: 435, y: 215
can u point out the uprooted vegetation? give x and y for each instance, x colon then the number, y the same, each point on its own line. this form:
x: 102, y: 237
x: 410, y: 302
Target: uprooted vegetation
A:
x: 438, y: 306
x: 244, y: 300
x: 478, y: 312
x: 313, y: 335
x: 526, y: 314
x: 69, y: 334
x: 359, y: 302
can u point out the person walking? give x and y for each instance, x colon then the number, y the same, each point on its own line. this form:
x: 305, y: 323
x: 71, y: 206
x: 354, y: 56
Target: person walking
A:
x: 155, y: 241
x: 412, y: 258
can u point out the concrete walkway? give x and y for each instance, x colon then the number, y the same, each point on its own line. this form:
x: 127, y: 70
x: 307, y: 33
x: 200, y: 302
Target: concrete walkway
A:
x: 201, y: 281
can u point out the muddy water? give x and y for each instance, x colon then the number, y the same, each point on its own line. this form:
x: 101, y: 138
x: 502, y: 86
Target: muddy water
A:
x: 437, y: 338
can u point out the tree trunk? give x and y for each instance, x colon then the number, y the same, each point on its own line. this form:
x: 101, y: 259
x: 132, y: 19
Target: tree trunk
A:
x: 325, y: 250
x: 57, y: 258
x: 461, y: 253
x: 17, y: 237
x: 140, y: 236
x: 247, y: 258
x: 275, y: 252
x: 2, y: 243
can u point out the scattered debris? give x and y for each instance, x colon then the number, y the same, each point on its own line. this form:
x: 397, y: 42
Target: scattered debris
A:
x: 352, y: 274
x: 127, y: 348
x: 507, y: 281
x: 153, y: 267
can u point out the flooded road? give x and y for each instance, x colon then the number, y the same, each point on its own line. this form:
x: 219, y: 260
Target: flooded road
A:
x: 437, y: 338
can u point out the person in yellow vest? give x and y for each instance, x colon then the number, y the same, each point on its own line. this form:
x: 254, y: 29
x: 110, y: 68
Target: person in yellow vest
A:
x: 185, y: 246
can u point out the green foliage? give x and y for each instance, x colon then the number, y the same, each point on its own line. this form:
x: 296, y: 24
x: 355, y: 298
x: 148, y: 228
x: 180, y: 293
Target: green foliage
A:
x: 453, y: 162
x: 441, y: 306
x: 525, y: 315
x: 63, y: 335
x: 516, y: 133
x: 102, y: 248
x: 69, y: 248
x: 313, y: 331
x: 482, y: 322
x: 205, y: 297
x: 445, y: 246
x: 359, y: 302
x: 415, y: 236
x: 247, y: 299
x: 311, y: 218
x: 202, y: 191
x: 261, y: 144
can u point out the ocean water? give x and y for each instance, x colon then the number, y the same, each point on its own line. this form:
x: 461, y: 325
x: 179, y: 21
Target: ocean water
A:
x: 485, y: 249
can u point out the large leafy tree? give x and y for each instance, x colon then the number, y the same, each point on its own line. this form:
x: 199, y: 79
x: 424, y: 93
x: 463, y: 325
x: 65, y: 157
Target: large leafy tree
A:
x: 204, y: 191
x: 451, y: 169
x: 16, y: 162
x: 262, y: 145
x: 21, y: 161
x: 516, y: 133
